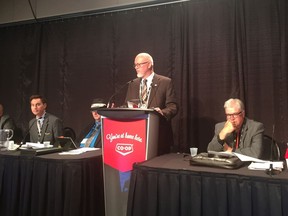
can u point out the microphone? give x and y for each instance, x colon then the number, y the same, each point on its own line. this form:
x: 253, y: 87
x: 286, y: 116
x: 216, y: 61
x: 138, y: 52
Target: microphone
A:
x: 23, y: 140
x: 118, y: 91
x: 272, y: 143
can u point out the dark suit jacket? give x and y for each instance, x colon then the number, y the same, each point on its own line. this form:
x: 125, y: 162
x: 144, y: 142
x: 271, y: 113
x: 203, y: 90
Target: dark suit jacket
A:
x: 162, y: 95
x: 52, y: 127
x: 6, y: 122
x: 250, y: 141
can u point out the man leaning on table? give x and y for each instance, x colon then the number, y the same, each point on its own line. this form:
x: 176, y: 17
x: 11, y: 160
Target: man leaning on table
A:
x: 238, y: 133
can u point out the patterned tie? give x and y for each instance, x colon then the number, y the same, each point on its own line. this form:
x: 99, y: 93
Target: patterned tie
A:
x: 92, y: 135
x: 144, y: 95
x: 39, y: 126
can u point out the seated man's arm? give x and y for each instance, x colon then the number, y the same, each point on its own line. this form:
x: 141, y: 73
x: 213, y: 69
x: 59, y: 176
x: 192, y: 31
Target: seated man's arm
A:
x: 216, y: 144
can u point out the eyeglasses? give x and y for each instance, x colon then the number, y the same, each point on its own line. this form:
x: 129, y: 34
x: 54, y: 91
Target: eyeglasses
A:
x: 139, y: 64
x: 234, y: 115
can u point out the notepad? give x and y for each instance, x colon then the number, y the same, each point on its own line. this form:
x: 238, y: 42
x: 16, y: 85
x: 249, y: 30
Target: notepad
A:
x: 277, y: 165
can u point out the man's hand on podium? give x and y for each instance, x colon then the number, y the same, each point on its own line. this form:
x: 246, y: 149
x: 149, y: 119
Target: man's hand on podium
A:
x: 157, y: 109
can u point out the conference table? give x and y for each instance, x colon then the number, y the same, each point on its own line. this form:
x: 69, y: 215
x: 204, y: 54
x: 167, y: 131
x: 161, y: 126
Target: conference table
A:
x: 51, y: 184
x: 169, y: 186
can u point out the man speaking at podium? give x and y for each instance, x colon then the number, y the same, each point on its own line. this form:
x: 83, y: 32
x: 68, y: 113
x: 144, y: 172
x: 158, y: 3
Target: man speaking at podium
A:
x: 154, y: 92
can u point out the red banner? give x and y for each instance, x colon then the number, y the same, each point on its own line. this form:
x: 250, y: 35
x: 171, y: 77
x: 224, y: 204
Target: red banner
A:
x: 124, y: 143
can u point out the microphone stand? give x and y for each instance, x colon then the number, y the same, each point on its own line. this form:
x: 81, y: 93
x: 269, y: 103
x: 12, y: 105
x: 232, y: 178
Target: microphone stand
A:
x: 117, y: 92
x: 24, y: 138
x: 271, y: 171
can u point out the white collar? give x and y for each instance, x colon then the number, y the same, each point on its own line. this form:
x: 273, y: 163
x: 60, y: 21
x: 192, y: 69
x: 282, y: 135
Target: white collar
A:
x: 41, y: 117
x: 149, y: 79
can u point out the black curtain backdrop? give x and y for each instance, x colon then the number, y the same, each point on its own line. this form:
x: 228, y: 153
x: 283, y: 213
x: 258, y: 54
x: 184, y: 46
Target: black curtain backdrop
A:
x: 212, y: 49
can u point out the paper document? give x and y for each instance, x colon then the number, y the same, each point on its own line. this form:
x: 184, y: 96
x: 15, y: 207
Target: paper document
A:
x: 278, y: 165
x: 232, y: 154
x: 78, y: 151
x: 248, y: 158
x: 34, y: 145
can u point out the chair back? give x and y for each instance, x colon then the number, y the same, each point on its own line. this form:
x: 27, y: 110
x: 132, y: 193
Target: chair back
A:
x: 69, y: 132
x: 270, y: 149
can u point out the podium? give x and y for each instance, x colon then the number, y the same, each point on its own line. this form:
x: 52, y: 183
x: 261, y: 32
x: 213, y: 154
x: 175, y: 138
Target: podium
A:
x: 129, y: 135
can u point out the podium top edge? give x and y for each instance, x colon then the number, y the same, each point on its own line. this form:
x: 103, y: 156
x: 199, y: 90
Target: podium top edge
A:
x: 125, y: 109
x: 125, y: 112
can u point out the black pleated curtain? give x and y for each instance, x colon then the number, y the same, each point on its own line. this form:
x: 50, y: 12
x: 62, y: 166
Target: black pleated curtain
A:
x: 212, y: 49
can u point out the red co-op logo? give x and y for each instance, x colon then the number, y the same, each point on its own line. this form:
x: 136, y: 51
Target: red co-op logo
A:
x: 124, y: 149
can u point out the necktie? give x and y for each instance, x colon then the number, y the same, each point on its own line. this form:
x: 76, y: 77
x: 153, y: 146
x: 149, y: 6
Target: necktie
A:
x: 39, y: 126
x: 237, y: 140
x: 144, y: 95
x: 92, y: 135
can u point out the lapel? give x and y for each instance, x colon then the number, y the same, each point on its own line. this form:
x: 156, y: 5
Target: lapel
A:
x: 243, y: 132
x: 154, y: 86
x: 3, y: 120
x: 137, y: 84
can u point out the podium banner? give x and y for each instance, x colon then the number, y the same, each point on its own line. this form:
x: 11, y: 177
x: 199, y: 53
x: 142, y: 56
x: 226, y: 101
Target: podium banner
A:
x: 124, y: 143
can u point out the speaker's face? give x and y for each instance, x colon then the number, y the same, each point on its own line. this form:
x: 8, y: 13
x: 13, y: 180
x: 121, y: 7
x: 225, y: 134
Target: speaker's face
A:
x: 38, y: 107
x: 143, y: 67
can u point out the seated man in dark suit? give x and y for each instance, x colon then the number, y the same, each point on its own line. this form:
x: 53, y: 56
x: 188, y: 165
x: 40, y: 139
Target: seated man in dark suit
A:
x: 238, y: 134
x: 93, y: 134
x: 45, y: 126
x: 6, y: 122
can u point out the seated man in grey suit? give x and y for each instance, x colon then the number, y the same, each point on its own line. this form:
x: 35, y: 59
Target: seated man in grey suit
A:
x: 45, y: 126
x: 238, y: 134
